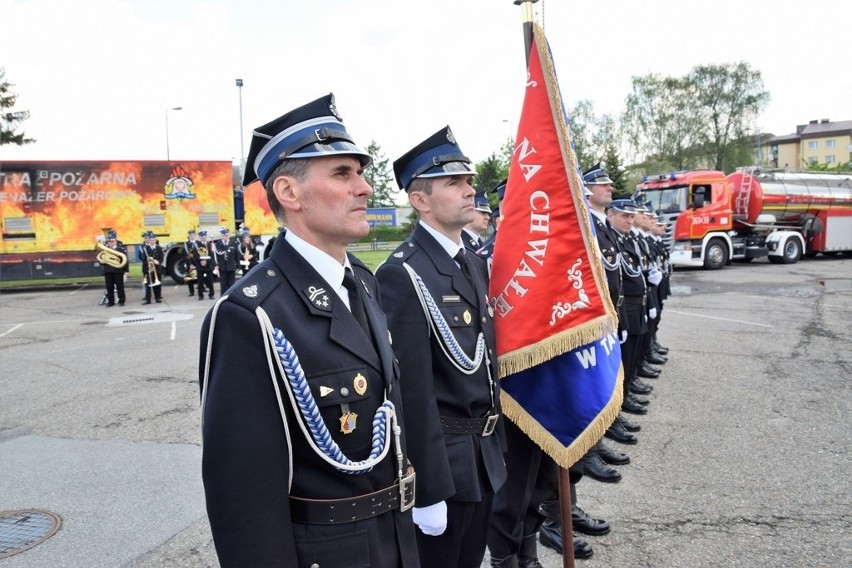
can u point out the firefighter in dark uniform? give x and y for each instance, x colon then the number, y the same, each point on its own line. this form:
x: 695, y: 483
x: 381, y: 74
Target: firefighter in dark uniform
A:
x: 620, y: 214
x: 204, y: 264
x: 472, y: 232
x: 151, y: 254
x: 659, y: 230
x: 189, y: 248
x: 304, y: 458
x: 435, y: 297
x: 642, y: 225
x: 247, y: 251
x: 114, y: 275
x: 225, y: 253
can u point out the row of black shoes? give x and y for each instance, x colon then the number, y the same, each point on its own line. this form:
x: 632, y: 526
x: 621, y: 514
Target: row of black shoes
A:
x: 598, y: 462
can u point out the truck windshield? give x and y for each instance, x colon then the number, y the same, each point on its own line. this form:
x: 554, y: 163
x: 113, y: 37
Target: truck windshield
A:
x: 669, y: 200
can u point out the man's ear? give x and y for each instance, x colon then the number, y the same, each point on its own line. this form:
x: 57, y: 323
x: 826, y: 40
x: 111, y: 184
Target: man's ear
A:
x: 418, y: 201
x: 287, y: 193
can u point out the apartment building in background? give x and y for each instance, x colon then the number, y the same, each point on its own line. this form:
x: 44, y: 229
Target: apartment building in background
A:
x: 818, y: 142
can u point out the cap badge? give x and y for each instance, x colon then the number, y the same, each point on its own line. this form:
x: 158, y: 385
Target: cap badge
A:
x: 250, y: 291
x: 397, y: 255
x: 360, y: 384
x: 333, y: 108
x: 467, y: 317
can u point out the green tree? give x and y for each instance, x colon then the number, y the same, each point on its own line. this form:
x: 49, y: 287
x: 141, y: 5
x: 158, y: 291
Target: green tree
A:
x: 378, y: 174
x: 491, y: 171
x: 728, y: 98
x: 618, y: 175
x: 10, y: 120
x: 661, y: 121
x: 582, y: 121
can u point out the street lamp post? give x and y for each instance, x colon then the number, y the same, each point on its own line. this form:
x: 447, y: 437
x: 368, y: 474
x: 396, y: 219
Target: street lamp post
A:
x: 242, y: 152
x: 168, y: 157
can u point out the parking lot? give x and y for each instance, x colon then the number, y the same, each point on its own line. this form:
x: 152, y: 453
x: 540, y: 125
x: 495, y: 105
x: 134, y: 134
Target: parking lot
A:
x: 742, y: 458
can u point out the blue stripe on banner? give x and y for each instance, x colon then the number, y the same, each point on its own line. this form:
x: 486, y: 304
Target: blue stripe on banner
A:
x: 565, y: 394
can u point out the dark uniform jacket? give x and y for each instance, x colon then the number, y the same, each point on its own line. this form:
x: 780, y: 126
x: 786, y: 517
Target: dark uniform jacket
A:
x: 155, y: 252
x: 226, y: 255
x: 459, y: 467
x: 471, y: 242
x: 633, y: 285
x: 608, y: 243
x: 202, y: 256
x: 245, y: 464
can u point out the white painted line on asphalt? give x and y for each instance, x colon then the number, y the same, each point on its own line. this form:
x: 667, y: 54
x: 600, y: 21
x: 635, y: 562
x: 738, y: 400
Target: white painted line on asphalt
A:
x: 174, y: 330
x: 669, y: 310
x: 83, y: 287
x: 11, y: 330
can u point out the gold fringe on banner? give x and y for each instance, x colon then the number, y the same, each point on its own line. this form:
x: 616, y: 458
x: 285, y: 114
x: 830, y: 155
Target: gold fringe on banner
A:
x: 562, y: 455
x: 555, y: 345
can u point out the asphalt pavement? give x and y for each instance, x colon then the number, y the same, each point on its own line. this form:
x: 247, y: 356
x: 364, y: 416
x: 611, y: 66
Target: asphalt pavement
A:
x: 742, y: 459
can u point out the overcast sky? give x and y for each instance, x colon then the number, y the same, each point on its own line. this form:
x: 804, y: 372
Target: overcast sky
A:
x: 98, y: 75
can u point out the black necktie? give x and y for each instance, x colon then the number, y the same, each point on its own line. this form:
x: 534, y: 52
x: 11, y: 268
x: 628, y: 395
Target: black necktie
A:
x: 461, y: 258
x: 356, y: 306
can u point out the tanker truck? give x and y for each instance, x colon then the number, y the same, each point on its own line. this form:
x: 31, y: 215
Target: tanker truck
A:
x: 712, y: 219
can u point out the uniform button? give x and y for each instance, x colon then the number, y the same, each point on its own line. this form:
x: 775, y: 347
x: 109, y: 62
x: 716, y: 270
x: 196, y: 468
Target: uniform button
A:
x: 344, y: 391
x: 483, y: 320
x: 455, y: 318
x: 315, y: 565
x: 270, y: 273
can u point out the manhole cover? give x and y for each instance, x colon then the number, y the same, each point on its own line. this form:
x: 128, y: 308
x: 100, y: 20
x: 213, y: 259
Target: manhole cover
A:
x: 22, y: 530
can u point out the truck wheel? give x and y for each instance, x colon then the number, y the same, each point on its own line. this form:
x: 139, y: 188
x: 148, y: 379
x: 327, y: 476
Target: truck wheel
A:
x: 177, y: 268
x: 792, y: 251
x: 716, y: 254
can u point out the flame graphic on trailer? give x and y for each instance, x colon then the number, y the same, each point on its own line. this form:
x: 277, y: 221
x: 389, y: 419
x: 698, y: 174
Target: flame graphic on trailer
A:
x: 53, y: 212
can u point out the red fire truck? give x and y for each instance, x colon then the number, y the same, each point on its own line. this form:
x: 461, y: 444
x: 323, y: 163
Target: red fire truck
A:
x: 52, y: 213
x: 712, y: 219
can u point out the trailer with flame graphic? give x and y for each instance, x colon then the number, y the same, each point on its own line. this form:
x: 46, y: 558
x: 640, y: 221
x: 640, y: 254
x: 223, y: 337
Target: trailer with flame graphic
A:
x: 53, y: 213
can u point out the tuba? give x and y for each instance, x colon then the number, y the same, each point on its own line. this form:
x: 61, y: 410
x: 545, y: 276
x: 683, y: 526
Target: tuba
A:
x: 110, y: 257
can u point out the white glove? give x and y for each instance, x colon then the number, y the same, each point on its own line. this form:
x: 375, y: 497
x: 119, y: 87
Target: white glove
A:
x: 652, y: 313
x: 623, y: 336
x: 655, y: 276
x: 432, y: 520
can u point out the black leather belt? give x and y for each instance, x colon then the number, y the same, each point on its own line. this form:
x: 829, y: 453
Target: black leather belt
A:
x: 338, y: 511
x: 634, y: 300
x: 480, y: 426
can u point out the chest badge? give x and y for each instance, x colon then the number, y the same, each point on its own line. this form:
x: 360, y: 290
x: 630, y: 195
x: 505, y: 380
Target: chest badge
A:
x: 360, y: 384
x: 348, y: 422
x: 467, y: 317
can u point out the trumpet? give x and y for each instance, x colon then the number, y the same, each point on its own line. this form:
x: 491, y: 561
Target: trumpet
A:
x: 110, y: 257
x: 153, y: 277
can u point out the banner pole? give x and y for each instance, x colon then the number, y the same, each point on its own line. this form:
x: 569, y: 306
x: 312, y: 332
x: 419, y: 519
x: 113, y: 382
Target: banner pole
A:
x: 527, y: 16
x: 565, y: 512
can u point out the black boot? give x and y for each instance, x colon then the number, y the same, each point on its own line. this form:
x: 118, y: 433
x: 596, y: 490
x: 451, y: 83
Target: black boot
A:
x: 528, y: 556
x: 508, y: 562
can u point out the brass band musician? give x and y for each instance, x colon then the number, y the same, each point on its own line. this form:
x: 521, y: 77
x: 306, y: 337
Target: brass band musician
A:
x: 189, y: 248
x: 115, y: 268
x: 204, y: 263
x: 151, y: 254
x: 247, y: 251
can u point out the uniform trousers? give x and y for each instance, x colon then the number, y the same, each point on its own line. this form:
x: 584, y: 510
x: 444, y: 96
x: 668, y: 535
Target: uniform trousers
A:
x: 226, y: 280
x: 114, y: 283
x: 463, y: 543
x: 205, y: 280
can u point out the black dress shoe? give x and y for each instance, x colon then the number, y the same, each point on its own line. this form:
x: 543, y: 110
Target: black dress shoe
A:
x: 121, y: 303
x: 649, y: 367
x: 630, y: 405
x: 611, y: 456
x: 594, y: 467
x: 638, y: 399
x: 647, y: 372
x: 550, y: 535
x: 582, y: 522
x: 619, y: 434
x: 582, y: 549
x: 158, y: 300
x: 146, y: 302
x: 109, y: 305
x: 191, y: 294
x: 636, y: 387
x: 656, y: 359
x: 660, y: 349
x: 627, y: 424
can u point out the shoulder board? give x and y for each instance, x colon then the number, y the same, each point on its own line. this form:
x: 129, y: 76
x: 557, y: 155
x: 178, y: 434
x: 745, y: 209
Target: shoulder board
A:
x: 251, y: 291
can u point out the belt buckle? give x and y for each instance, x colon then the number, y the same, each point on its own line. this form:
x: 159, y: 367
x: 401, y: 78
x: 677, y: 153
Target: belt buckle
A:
x: 490, y: 425
x: 406, y: 490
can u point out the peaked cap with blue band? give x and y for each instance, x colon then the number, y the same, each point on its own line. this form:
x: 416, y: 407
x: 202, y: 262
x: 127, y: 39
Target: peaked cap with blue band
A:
x: 480, y: 203
x: 311, y: 131
x: 596, y: 175
x: 111, y: 235
x: 500, y: 190
x: 437, y: 156
x: 623, y: 206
